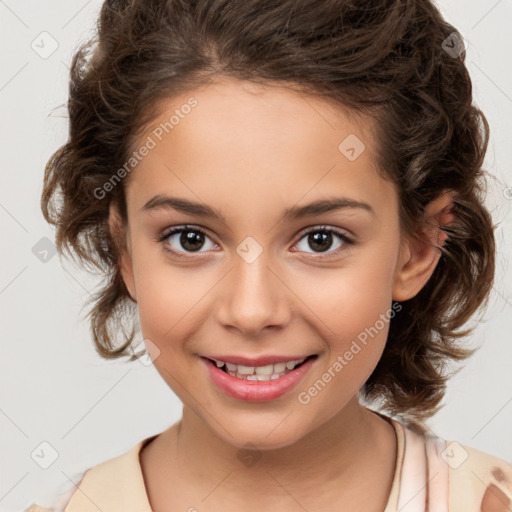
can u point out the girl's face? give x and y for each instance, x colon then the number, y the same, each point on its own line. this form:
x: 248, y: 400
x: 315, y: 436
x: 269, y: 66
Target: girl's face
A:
x: 290, y: 248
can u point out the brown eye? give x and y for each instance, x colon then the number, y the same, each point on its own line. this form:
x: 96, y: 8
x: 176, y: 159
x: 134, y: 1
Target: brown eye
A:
x: 320, y: 240
x: 184, y: 239
x: 191, y: 240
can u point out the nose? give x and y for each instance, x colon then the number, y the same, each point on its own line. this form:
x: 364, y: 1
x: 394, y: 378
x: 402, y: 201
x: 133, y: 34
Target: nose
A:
x: 254, y: 297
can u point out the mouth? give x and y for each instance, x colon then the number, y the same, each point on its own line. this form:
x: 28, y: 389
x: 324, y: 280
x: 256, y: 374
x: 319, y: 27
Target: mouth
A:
x: 267, y: 372
x: 257, y: 379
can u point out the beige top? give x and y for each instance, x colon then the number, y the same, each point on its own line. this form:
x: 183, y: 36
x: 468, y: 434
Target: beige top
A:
x: 431, y: 475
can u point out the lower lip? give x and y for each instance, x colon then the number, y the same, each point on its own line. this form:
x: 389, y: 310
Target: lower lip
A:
x: 254, y: 390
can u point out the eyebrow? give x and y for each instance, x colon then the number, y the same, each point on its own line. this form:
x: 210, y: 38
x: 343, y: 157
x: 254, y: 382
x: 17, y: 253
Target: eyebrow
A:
x: 319, y: 207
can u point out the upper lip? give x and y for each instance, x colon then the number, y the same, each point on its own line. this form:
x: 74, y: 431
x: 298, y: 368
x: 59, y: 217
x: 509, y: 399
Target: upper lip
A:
x: 256, y: 361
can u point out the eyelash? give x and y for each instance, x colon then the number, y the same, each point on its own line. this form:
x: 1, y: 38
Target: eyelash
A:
x: 317, y: 229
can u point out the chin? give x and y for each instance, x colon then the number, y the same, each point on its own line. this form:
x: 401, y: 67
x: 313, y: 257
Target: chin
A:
x: 261, y: 435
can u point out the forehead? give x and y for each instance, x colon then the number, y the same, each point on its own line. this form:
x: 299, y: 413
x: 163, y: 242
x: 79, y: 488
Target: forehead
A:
x: 254, y: 140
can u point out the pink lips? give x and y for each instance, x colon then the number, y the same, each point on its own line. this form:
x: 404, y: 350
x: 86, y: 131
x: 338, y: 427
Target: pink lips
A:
x: 256, y: 391
x: 257, y: 361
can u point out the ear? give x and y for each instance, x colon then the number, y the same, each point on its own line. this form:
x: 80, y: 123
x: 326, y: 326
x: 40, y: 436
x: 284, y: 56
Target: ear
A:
x: 121, y: 235
x: 420, y: 253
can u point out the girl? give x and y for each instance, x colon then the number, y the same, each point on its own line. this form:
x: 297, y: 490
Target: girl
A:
x: 287, y: 197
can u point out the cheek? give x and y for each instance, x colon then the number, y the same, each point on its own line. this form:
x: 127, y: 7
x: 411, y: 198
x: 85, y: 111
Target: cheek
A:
x: 353, y: 315
x: 351, y: 307
x: 170, y: 311
x: 168, y: 306
x: 351, y: 298
x: 169, y: 297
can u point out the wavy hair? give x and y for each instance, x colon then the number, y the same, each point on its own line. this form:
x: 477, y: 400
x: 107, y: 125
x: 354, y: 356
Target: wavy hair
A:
x: 393, y: 60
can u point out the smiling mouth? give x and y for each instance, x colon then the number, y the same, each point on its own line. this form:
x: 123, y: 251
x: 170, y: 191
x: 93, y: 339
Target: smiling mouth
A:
x: 259, y: 373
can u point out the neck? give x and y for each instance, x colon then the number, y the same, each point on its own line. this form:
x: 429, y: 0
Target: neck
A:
x: 333, y: 456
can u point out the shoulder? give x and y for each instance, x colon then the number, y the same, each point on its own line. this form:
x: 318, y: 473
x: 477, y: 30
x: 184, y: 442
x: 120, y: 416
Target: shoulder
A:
x: 55, y: 497
x: 476, y: 477
x: 450, y: 476
x: 114, y: 485
x: 54, y: 500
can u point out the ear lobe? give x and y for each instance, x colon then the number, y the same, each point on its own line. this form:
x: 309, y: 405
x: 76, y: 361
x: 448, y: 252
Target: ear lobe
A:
x: 122, y: 240
x: 419, y: 253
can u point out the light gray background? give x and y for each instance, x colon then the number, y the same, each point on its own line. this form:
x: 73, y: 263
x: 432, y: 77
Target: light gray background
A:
x: 55, y: 388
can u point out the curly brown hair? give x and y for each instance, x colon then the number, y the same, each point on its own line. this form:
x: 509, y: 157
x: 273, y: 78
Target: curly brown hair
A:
x: 387, y: 59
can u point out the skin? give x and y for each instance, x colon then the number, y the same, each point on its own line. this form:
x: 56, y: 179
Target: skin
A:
x: 252, y: 151
x: 495, y: 500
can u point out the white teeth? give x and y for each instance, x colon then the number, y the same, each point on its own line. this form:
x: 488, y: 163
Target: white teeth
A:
x: 260, y: 373
x: 260, y: 377
x: 265, y: 370
x: 279, y: 367
x: 245, y: 370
